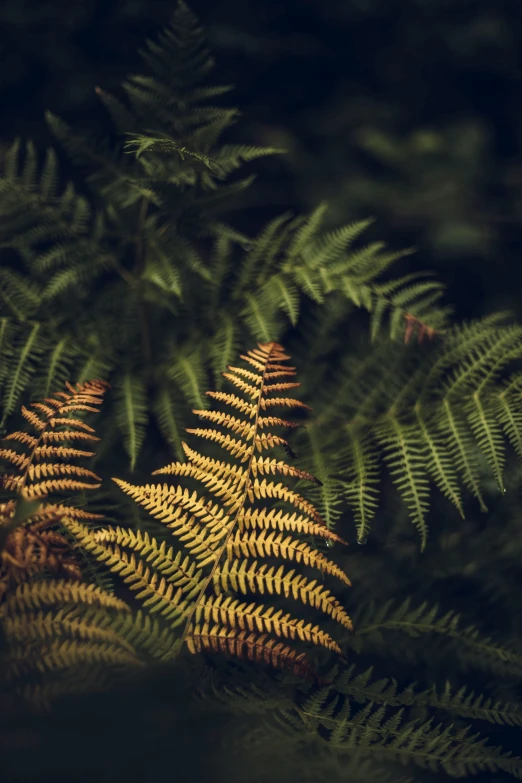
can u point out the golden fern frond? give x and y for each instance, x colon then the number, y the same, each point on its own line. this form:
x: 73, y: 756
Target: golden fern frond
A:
x: 30, y: 544
x: 28, y: 484
x: 230, y: 544
x: 259, y: 648
x: 68, y: 654
x: 252, y: 616
x: 84, y: 624
x: 30, y: 596
x: 276, y: 545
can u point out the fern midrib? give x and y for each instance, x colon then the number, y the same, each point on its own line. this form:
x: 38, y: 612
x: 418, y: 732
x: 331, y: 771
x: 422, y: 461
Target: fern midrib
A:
x: 209, y: 578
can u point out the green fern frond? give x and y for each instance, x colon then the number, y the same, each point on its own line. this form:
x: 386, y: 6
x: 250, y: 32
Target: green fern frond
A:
x: 508, y: 411
x: 130, y: 412
x: 27, y: 349
x: 264, y: 249
x: 384, y: 734
x: 473, y: 647
x: 260, y: 317
x: 325, y: 494
x: 405, y: 455
x: 186, y: 370
x: 305, y: 233
x: 436, y: 414
x: 360, y: 485
x: 224, y: 346
x: 438, y: 461
x: 137, y: 144
x: 325, y: 249
x: 454, y: 428
x: 284, y: 295
x: 362, y: 687
x: 488, y: 434
x: 232, y: 156
x: 18, y: 295
x: 167, y: 408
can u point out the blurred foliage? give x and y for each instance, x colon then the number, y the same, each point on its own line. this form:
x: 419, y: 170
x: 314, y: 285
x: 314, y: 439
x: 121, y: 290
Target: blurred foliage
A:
x: 408, y: 111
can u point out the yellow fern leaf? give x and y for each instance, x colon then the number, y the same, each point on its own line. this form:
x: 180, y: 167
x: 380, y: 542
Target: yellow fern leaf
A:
x: 225, y: 535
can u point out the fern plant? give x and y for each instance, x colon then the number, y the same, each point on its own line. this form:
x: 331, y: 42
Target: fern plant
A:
x: 139, y: 237
x: 367, y: 724
x: 66, y: 632
x: 143, y: 244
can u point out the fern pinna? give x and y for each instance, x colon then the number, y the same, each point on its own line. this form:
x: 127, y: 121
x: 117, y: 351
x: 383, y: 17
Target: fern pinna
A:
x: 227, y: 537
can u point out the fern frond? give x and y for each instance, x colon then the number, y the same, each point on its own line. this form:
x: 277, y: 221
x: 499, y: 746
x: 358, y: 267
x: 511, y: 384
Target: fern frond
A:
x: 31, y: 596
x: 360, y: 486
x: 166, y: 410
x: 222, y: 534
x: 453, y: 426
x: 187, y: 372
x: 231, y: 156
x: 33, y: 545
x: 473, y: 646
x: 363, y: 687
x: 19, y: 295
x: 436, y: 415
x: 28, y: 349
x: 384, y: 734
x: 405, y: 455
x: 131, y: 412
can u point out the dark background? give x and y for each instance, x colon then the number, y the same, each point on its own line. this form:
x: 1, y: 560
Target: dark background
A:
x: 409, y: 111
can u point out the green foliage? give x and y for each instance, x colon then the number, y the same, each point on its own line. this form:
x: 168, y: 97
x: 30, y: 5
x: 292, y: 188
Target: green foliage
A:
x: 440, y: 414
x: 132, y: 277
x: 176, y: 292
x: 351, y: 718
x: 385, y: 734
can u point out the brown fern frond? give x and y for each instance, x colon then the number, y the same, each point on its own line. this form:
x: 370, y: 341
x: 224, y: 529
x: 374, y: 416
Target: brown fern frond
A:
x: 226, y: 537
x: 31, y: 545
x: 251, y: 646
x: 83, y: 397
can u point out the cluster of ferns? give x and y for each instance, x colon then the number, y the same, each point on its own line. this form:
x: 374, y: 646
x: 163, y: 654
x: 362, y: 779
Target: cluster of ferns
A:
x: 237, y: 576
x: 225, y: 560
